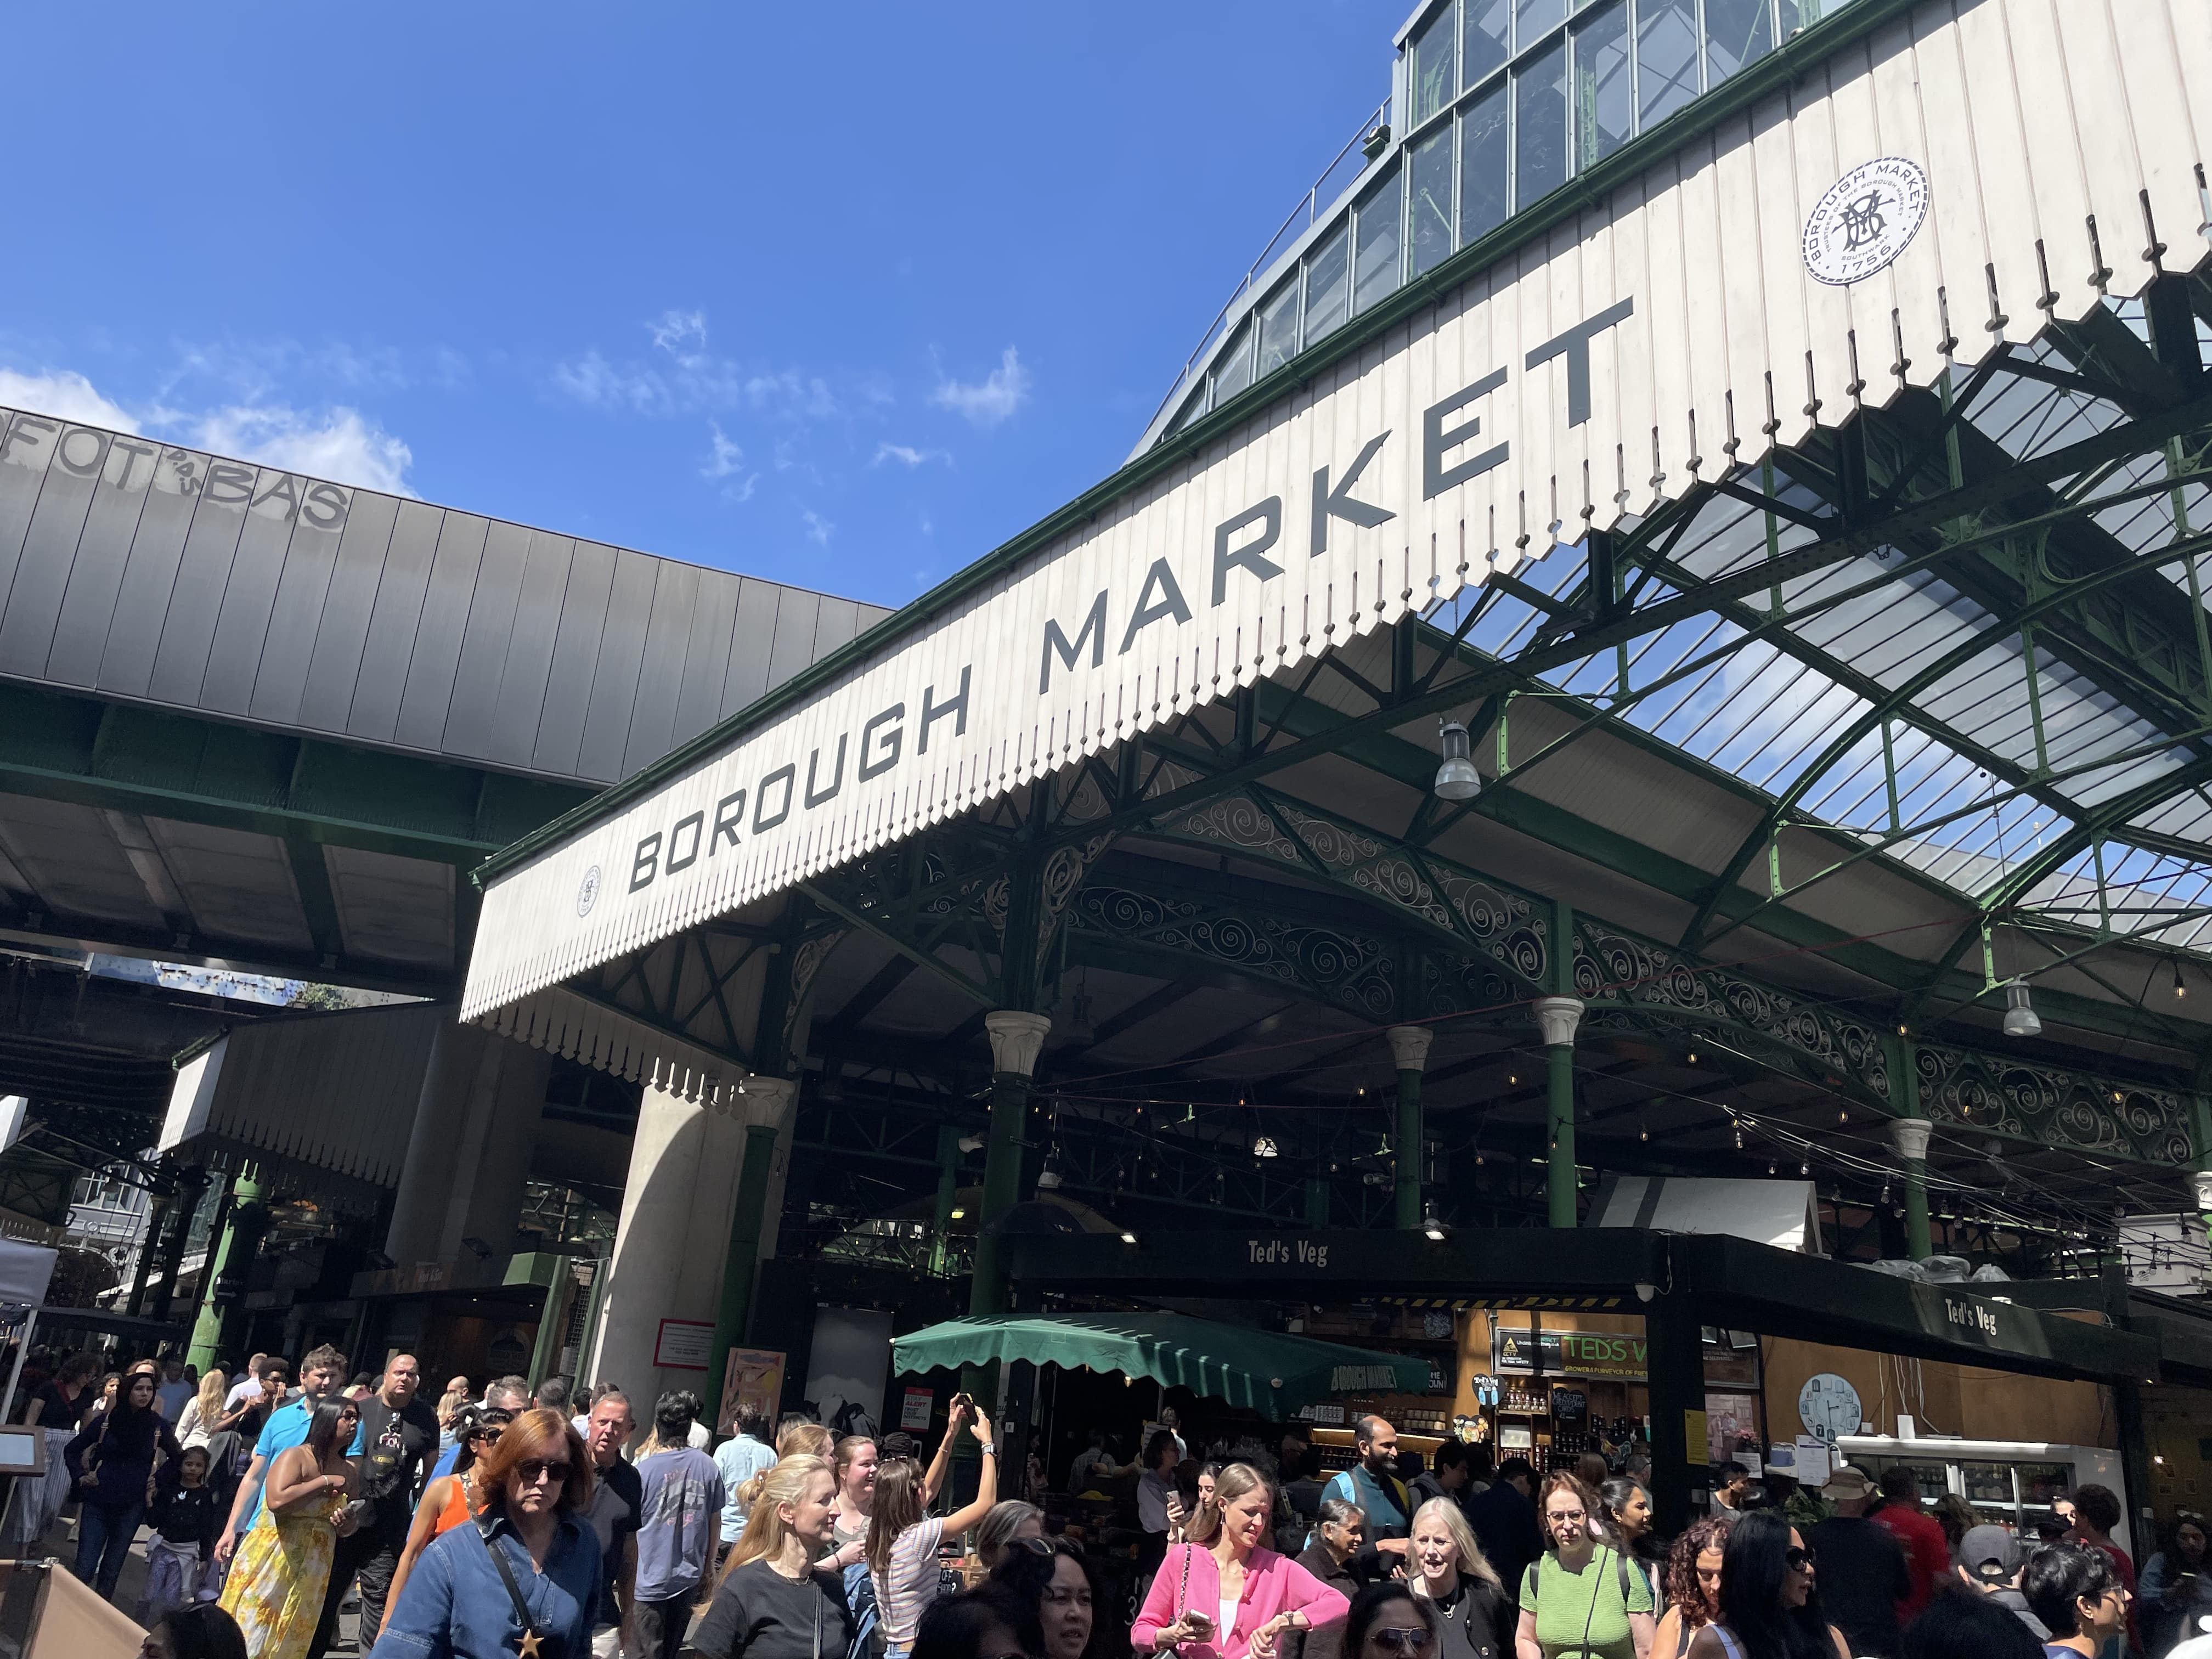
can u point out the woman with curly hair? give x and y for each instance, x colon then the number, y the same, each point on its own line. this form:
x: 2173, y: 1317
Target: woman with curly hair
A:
x: 1692, y: 1587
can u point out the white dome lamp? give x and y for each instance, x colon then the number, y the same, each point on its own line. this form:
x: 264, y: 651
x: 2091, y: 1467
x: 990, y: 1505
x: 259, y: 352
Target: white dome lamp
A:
x: 2019, y: 1020
x: 1456, y: 779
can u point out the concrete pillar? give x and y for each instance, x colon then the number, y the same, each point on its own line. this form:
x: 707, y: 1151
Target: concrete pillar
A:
x: 1558, y: 1018
x: 673, y: 1241
x: 223, y: 1292
x: 1909, y: 1135
x: 1016, y: 1039
x: 1409, y: 1052
x: 468, y: 1153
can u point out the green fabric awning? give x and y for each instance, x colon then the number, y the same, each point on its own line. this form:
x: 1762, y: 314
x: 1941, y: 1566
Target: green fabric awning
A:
x: 1268, y: 1372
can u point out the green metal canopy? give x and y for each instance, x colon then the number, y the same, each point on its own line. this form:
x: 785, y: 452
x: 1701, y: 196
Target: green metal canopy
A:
x: 1265, y: 1371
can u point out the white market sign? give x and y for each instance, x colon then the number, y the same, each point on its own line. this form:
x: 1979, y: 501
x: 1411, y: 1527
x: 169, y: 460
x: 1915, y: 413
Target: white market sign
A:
x: 1658, y: 339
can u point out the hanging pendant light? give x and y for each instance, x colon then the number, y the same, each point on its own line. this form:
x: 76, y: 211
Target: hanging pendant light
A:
x: 2179, y: 989
x: 2019, y: 1020
x: 1456, y: 779
x: 1431, y: 1225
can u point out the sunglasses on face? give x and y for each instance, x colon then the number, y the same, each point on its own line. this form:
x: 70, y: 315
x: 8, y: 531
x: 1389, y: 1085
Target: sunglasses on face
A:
x: 1393, y: 1638
x: 533, y: 1469
x: 1797, y: 1560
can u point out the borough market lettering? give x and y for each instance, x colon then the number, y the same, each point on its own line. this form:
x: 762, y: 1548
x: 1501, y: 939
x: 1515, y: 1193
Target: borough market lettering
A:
x: 1248, y: 542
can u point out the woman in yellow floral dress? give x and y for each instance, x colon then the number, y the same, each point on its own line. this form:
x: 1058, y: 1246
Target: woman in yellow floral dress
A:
x: 282, y: 1570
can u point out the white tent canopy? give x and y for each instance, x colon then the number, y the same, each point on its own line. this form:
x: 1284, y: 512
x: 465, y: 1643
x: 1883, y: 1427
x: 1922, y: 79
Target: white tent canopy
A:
x: 1783, y: 1214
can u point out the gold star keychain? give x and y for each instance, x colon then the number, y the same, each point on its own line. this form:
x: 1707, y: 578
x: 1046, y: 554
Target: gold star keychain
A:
x: 529, y: 1641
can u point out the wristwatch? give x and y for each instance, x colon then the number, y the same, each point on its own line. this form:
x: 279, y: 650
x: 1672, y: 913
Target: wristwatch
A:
x: 990, y: 1449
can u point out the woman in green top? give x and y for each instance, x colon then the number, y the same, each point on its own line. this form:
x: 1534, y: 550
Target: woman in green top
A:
x: 1581, y: 1600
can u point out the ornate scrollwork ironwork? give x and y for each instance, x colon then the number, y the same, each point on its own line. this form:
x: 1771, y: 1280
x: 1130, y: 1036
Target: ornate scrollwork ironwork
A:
x: 1620, y: 968
x: 1351, y: 970
x: 2053, y: 1105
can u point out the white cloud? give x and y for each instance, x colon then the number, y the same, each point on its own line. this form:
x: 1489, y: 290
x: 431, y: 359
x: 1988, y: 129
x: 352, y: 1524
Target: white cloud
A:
x: 818, y: 529
x: 678, y: 329
x: 65, y: 394
x: 691, y: 379
x: 593, y: 380
x: 990, y: 400
x: 907, y: 455
x: 340, y: 444
x: 726, y: 457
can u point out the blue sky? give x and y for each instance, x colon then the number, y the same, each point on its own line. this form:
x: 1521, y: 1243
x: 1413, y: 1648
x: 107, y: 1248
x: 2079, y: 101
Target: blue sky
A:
x: 843, y: 297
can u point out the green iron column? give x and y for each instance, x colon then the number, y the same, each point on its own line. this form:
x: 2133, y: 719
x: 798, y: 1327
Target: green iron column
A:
x: 770, y: 1099
x: 1558, y: 1017
x: 1909, y: 1135
x: 948, y: 1190
x: 1409, y: 1051
x: 222, y: 1294
x: 1016, y: 1039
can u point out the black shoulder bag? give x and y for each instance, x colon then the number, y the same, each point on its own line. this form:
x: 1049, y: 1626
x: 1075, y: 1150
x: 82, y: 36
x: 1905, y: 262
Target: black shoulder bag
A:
x: 535, y: 1643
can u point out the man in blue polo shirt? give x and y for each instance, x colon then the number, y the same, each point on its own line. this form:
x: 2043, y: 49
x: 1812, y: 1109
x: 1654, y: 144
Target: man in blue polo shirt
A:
x: 322, y: 1370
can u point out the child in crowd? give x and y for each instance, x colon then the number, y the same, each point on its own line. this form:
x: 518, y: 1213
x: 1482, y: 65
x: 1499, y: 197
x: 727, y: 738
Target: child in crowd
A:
x: 184, y: 1517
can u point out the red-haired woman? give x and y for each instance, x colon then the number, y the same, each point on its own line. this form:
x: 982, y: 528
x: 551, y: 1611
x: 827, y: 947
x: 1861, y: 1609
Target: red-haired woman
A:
x: 523, y: 1576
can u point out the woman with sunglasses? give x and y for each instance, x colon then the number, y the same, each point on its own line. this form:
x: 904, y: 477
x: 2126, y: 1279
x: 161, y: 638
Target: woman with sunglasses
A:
x: 1693, y: 1587
x: 1224, y: 1595
x: 1387, y: 1620
x: 279, y: 1578
x: 1581, y: 1599
x: 1768, y: 1606
x: 1051, y: 1576
x: 524, y: 1577
x: 444, y: 1502
x: 774, y: 1602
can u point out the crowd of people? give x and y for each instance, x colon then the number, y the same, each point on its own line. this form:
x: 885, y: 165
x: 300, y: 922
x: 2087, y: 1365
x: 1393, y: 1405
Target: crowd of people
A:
x: 519, y: 1521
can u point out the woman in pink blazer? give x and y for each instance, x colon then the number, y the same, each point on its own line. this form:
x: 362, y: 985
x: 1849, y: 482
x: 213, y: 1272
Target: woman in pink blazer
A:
x: 1223, y: 1596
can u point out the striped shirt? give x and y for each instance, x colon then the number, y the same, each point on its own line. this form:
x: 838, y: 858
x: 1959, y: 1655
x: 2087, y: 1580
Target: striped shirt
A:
x: 905, y: 1588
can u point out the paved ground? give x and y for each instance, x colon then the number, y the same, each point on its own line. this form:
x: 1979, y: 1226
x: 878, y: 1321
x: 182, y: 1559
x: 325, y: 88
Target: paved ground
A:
x: 131, y: 1588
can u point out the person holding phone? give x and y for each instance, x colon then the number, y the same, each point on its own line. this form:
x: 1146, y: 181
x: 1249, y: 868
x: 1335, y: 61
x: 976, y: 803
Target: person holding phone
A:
x: 2176, y: 1589
x: 1223, y: 1594
x: 276, y: 1584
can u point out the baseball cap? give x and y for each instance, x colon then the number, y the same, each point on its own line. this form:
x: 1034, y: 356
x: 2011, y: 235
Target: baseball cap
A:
x: 1990, y: 1554
x: 1847, y: 1482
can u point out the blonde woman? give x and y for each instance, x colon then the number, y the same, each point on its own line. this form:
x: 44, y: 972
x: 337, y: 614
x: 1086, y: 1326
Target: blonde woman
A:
x: 772, y: 1602
x: 804, y: 1440
x: 204, y: 1417
x: 1225, y: 1594
x: 1447, y: 1568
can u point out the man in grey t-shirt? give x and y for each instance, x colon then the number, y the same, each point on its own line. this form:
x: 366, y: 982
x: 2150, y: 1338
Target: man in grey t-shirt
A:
x: 680, y: 1515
